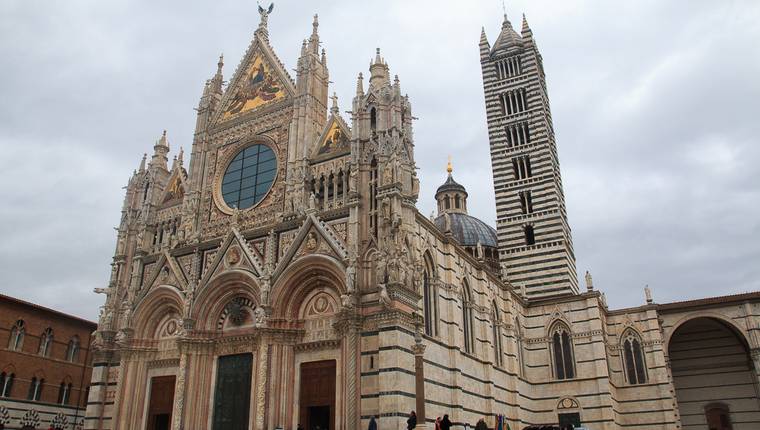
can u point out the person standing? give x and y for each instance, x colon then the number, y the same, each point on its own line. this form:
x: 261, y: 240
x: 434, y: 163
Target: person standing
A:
x: 481, y: 425
x: 372, y: 423
x: 446, y: 423
x: 412, y: 421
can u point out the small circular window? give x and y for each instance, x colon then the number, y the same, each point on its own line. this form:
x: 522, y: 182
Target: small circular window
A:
x: 249, y: 176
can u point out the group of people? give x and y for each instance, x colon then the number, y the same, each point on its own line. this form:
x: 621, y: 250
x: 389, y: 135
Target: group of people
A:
x: 440, y: 423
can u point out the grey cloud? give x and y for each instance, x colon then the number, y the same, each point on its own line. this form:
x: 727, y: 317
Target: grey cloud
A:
x: 655, y: 109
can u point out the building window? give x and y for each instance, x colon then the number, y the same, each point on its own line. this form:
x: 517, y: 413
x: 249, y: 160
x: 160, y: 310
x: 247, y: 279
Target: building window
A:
x: 521, y: 167
x: 519, y: 336
x: 526, y: 202
x: 35, y: 389
x: 496, y: 328
x: 372, y: 119
x: 373, y: 183
x: 530, y: 236
x: 562, y: 353
x: 513, y: 102
x: 46, y: 342
x: 64, y: 393
x: 718, y: 416
x: 16, y: 340
x: 72, y: 351
x: 517, y: 134
x: 145, y: 192
x: 633, y: 359
x: 429, y: 299
x: 508, y: 67
x: 469, y: 344
x: 6, y: 384
x: 249, y: 177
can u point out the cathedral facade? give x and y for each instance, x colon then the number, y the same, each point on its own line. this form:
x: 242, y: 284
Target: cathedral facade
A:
x: 287, y: 278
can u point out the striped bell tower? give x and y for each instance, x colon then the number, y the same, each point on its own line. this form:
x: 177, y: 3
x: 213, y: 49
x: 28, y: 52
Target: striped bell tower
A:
x: 535, y: 245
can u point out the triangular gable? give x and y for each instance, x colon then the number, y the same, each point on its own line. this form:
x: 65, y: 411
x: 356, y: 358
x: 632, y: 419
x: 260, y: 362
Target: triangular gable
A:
x: 166, y: 272
x: 334, y: 138
x: 260, y: 79
x: 324, y: 234
x: 175, y: 188
x: 233, y: 253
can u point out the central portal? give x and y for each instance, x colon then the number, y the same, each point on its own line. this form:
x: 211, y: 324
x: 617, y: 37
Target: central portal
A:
x: 317, y: 399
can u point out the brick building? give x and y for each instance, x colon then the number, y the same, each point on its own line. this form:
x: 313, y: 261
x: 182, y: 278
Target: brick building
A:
x: 45, y: 366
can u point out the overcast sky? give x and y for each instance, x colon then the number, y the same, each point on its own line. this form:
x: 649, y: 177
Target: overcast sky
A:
x: 655, y: 107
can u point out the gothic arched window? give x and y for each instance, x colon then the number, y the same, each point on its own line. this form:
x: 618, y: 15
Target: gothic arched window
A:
x: 64, y: 393
x: 46, y: 342
x: 469, y: 344
x: 429, y: 298
x: 633, y: 358
x: 519, y: 340
x: 372, y: 119
x: 562, y: 352
x: 16, y: 340
x: 6, y: 384
x: 496, y: 327
x: 72, y: 351
x: 35, y: 388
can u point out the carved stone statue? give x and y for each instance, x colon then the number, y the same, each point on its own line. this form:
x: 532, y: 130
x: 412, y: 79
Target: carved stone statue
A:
x: 385, y: 298
x: 353, y: 184
x: 259, y: 317
x: 312, y: 202
x: 351, y: 276
x: 347, y: 301
x: 265, y: 15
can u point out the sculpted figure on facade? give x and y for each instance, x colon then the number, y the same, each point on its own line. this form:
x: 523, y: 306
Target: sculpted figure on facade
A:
x: 259, y: 317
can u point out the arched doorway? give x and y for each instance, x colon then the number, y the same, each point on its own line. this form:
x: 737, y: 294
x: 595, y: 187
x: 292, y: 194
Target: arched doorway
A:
x: 713, y: 376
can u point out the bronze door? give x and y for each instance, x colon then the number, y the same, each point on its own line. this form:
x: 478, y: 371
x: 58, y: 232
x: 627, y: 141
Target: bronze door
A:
x: 233, y: 392
x: 161, y: 402
x: 317, y: 395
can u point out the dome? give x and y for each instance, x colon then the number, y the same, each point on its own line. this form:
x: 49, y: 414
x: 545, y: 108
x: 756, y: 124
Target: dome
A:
x: 468, y: 230
x: 451, y: 185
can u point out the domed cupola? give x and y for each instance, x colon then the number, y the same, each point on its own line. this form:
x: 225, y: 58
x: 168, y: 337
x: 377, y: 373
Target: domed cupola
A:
x: 451, y: 196
x: 478, y: 238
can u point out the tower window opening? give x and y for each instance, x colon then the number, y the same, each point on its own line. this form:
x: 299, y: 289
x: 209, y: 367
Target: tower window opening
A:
x: 447, y: 202
x: 456, y: 202
x: 526, y: 202
x: 530, y: 236
x: 526, y: 131
x: 373, y: 119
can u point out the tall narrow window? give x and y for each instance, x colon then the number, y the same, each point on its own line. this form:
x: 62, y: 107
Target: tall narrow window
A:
x: 373, y: 198
x: 35, y: 389
x: 429, y: 298
x: 72, y: 351
x: 562, y: 353
x: 520, y: 359
x: 530, y: 237
x: 16, y: 340
x: 46, y: 342
x: 373, y: 119
x: 496, y: 328
x: 467, y: 319
x: 521, y: 167
x: 64, y: 392
x: 145, y: 192
x: 526, y: 202
x: 6, y: 384
x: 633, y: 359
